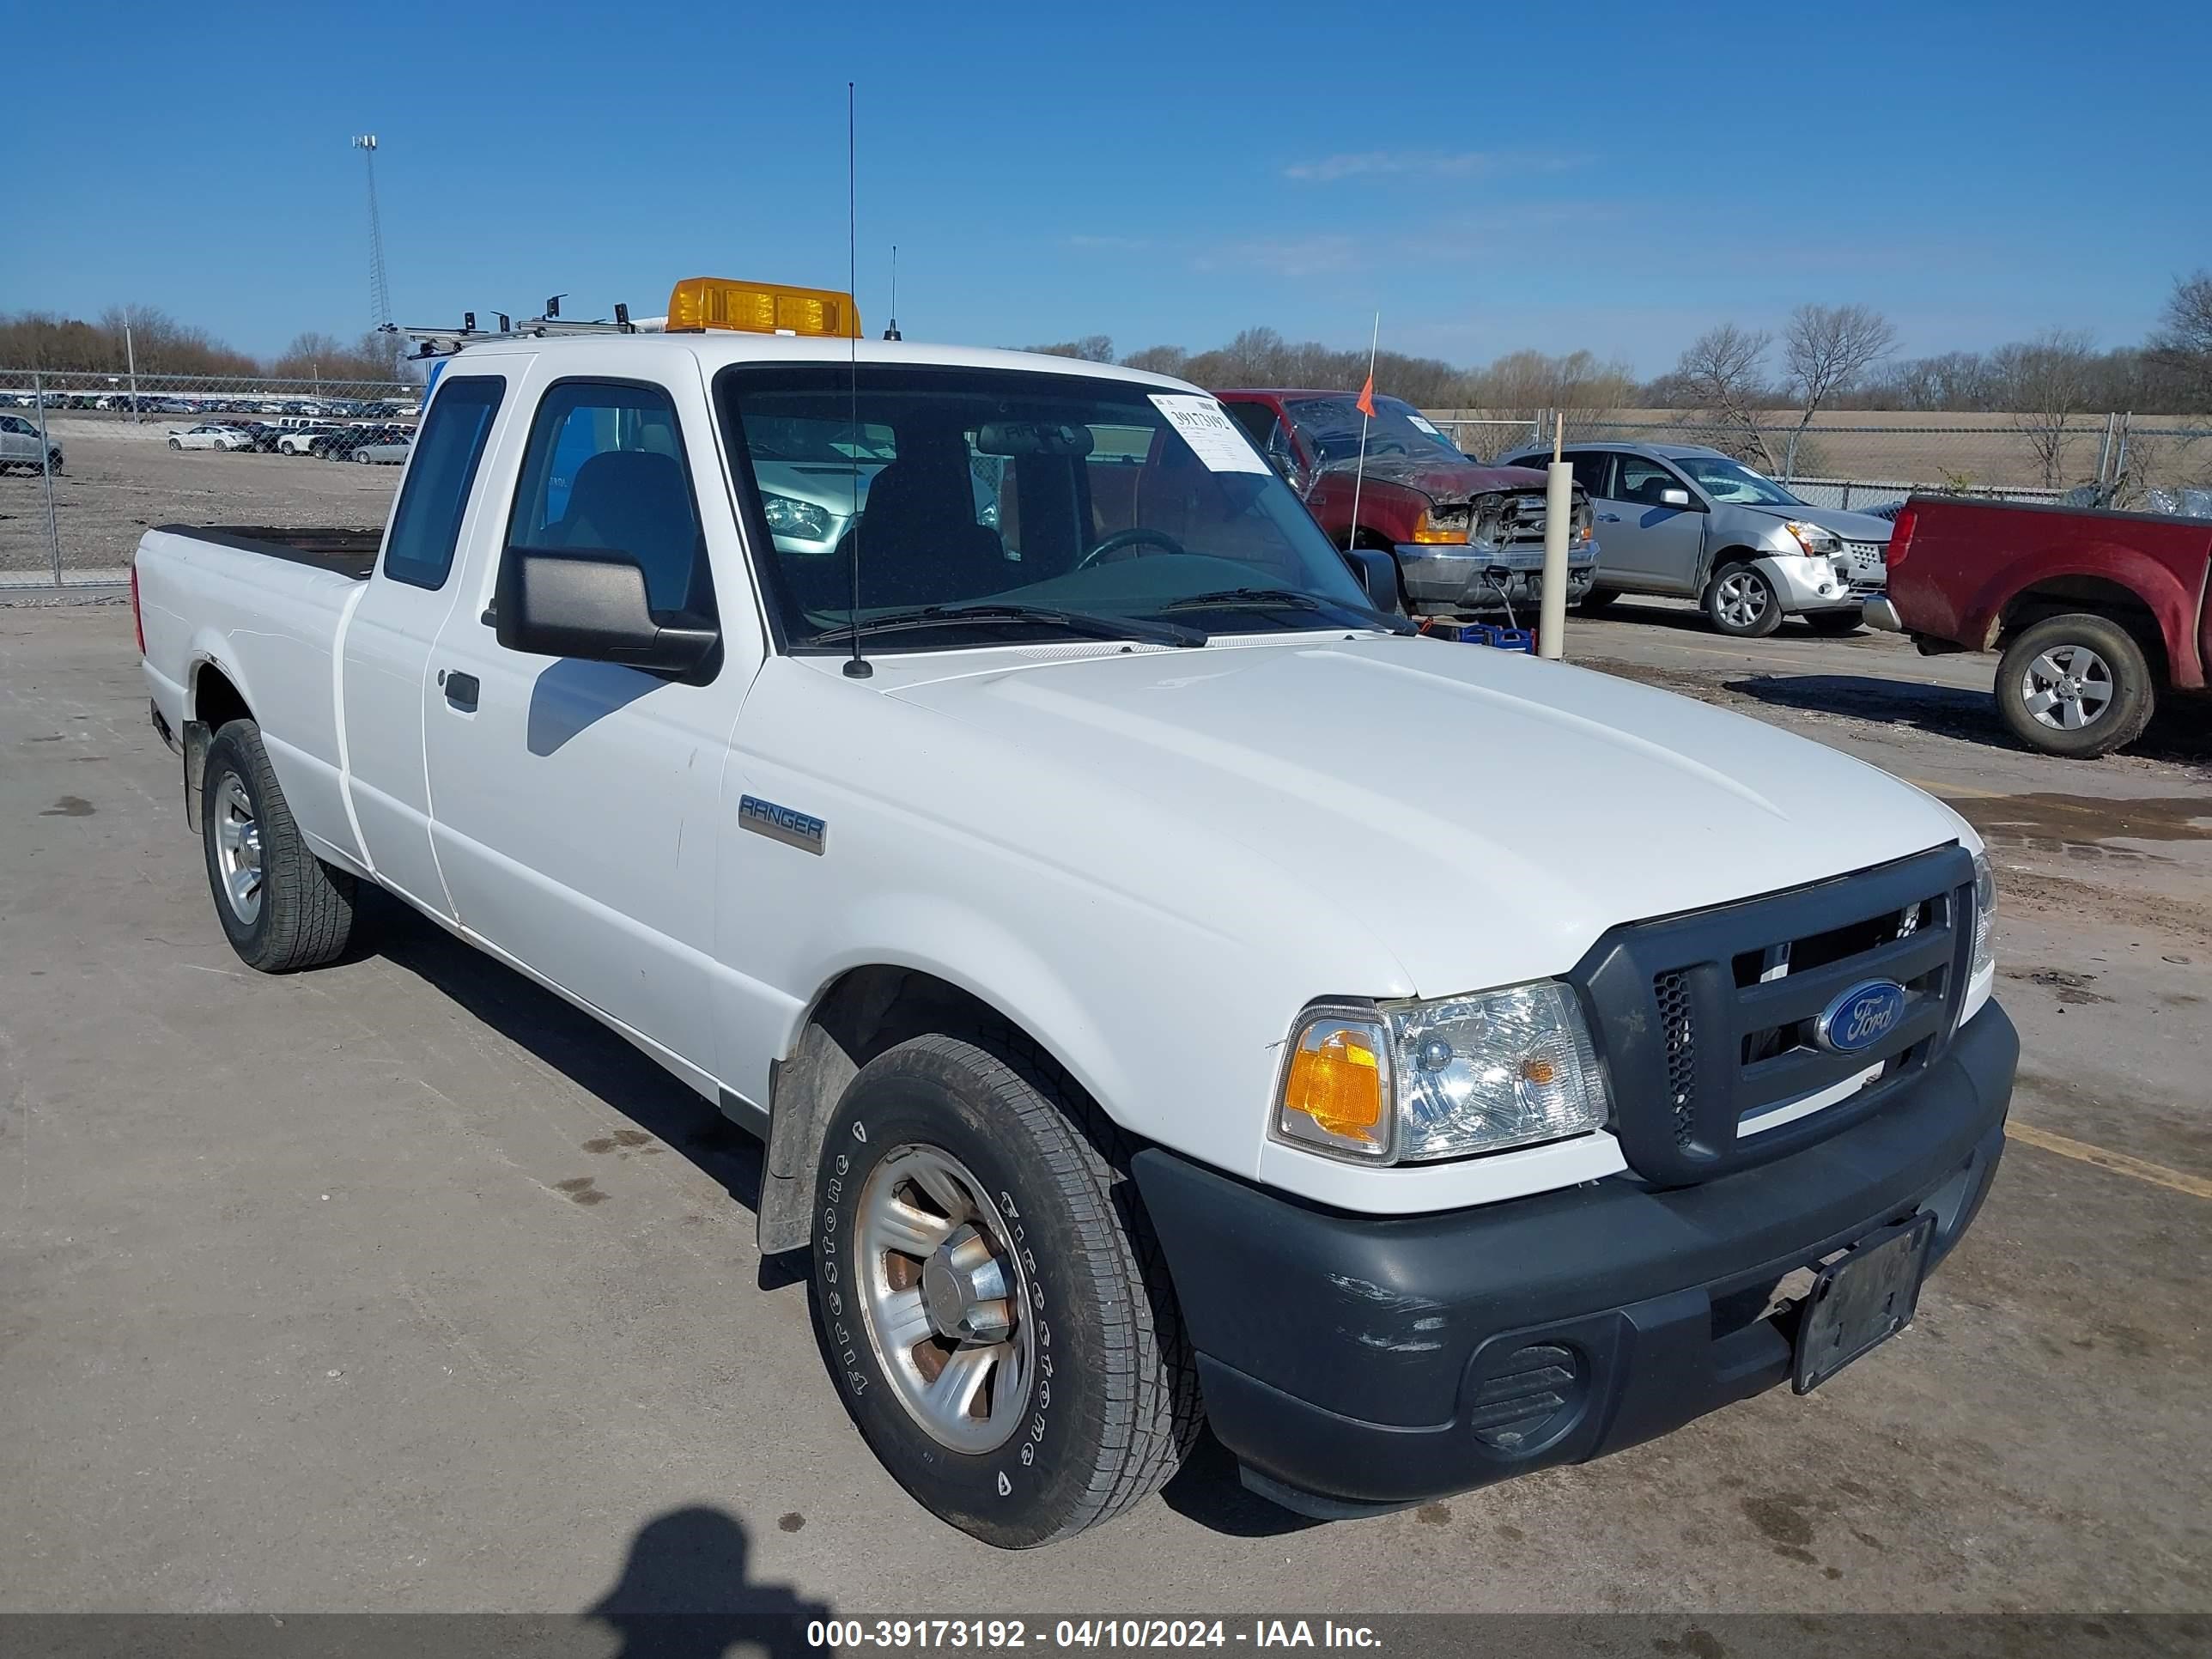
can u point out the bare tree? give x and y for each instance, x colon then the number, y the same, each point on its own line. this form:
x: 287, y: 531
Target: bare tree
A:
x: 1158, y: 360
x: 1723, y: 374
x: 2182, y: 345
x: 1826, y: 350
x: 1091, y: 349
x: 2046, y: 383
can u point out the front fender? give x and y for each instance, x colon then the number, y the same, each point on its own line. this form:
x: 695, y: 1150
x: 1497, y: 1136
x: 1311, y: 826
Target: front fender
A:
x: 936, y: 934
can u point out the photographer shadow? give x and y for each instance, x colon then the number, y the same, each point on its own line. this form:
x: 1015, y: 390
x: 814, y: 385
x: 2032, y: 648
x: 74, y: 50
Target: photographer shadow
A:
x: 684, y: 1594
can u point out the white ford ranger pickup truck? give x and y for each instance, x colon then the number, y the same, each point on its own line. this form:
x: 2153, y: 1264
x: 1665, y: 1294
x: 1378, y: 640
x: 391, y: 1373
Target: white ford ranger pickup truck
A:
x: 1035, y: 834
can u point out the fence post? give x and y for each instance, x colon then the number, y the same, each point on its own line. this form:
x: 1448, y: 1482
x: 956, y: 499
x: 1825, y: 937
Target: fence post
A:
x: 46, y: 471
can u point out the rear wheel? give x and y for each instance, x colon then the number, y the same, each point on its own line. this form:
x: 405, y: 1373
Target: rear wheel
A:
x: 2076, y: 686
x: 1740, y: 602
x: 988, y: 1298
x: 282, y: 908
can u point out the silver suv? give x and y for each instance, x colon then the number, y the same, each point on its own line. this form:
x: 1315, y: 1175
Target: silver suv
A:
x: 1688, y: 521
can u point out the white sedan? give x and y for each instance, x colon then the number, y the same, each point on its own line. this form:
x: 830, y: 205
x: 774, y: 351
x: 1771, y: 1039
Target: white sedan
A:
x: 209, y: 435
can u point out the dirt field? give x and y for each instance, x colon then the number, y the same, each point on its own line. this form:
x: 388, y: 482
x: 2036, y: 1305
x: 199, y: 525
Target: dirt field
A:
x: 1934, y: 451
x: 403, y: 1286
x: 118, y: 478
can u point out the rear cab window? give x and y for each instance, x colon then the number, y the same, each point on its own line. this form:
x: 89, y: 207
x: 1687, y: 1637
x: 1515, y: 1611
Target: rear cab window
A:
x: 426, y: 522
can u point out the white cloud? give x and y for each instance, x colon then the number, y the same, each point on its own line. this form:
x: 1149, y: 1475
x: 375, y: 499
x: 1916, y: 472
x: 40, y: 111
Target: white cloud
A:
x: 1293, y: 256
x: 1425, y: 163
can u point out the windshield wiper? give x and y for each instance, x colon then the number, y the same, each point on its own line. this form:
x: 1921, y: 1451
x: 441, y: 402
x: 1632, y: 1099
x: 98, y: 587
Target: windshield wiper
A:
x: 1288, y: 599
x: 1073, y: 622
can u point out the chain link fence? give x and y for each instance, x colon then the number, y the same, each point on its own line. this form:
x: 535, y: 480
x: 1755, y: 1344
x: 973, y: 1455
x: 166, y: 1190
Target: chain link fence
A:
x: 88, y: 461
x: 2156, y: 463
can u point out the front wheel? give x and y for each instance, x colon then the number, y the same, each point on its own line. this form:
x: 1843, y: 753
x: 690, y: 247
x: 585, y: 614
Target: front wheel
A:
x: 1598, y: 601
x: 982, y: 1296
x: 2075, y: 685
x: 282, y: 908
x: 174, y: 444
x: 1742, y: 603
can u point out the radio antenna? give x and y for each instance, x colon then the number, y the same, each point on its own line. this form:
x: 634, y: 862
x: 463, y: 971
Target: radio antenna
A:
x: 892, y: 333
x: 857, y: 667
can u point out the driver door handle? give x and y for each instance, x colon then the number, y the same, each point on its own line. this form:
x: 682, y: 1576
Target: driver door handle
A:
x: 461, y: 689
x: 1608, y: 518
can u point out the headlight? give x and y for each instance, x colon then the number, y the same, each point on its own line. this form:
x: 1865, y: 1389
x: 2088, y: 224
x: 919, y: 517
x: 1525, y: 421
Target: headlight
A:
x: 1985, y: 916
x: 1446, y: 1078
x: 801, y: 519
x: 1817, y: 542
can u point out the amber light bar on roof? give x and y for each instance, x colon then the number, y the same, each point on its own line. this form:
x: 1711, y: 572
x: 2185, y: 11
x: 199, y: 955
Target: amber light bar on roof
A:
x: 702, y: 302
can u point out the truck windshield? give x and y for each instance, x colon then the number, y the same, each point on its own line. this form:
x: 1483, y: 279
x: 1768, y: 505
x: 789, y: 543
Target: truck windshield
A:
x: 1331, y: 427
x: 1733, y: 483
x: 1028, y: 503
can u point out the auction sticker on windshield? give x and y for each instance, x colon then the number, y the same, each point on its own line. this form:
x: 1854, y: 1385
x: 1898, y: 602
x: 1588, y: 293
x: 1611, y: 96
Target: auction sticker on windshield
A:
x: 1212, y: 436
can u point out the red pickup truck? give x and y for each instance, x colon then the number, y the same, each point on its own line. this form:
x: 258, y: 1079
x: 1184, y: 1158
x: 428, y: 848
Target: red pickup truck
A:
x: 2098, y: 613
x: 1466, y: 536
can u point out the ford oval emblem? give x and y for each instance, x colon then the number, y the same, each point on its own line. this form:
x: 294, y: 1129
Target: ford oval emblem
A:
x: 1861, y: 1016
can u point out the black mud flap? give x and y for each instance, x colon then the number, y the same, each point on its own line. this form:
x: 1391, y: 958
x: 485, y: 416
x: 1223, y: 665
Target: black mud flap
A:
x: 197, y: 737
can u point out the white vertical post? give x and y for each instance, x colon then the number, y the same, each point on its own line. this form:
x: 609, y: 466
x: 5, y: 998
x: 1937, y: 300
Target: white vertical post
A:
x: 1558, y: 506
x: 131, y: 356
x: 46, y: 471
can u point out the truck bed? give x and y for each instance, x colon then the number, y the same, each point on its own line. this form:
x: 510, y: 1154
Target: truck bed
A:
x: 349, y: 552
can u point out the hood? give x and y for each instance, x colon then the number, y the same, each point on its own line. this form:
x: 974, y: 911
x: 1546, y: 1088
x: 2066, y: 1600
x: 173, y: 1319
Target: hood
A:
x: 1444, y: 480
x: 1487, y: 816
x: 1852, y: 526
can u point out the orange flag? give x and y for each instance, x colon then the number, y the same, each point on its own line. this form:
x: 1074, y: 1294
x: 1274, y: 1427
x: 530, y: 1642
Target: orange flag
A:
x: 1366, y: 403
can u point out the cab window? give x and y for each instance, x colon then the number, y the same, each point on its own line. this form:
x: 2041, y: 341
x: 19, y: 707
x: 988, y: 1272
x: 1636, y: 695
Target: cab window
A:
x: 605, y: 469
x: 1642, y: 480
x: 425, y: 523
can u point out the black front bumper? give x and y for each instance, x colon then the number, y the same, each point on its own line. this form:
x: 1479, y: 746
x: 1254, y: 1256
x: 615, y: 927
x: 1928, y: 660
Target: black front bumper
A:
x: 1353, y: 1363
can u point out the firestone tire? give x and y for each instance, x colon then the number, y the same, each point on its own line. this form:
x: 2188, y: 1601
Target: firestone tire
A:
x: 281, y: 908
x: 2082, y: 667
x: 1074, y: 1394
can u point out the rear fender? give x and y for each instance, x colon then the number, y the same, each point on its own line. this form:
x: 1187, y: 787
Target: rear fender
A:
x: 2172, y: 605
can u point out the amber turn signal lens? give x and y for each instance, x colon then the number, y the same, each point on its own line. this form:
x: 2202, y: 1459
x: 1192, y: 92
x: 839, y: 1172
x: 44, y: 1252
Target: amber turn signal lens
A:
x: 1337, y: 1081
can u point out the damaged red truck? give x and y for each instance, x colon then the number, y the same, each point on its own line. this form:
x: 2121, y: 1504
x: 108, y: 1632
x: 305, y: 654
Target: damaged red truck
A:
x: 1467, y: 538
x: 2099, y: 614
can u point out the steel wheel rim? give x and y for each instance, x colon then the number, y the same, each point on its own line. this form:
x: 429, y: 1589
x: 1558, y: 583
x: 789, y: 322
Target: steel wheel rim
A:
x: 2067, y: 687
x: 944, y: 1299
x: 238, y: 849
x: 1743, y: 599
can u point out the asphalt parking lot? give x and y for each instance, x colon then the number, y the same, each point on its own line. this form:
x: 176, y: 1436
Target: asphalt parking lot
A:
x: 402, y: 1286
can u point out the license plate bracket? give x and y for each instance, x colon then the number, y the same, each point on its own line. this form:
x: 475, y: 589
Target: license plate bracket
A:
x: 1861, y: 1300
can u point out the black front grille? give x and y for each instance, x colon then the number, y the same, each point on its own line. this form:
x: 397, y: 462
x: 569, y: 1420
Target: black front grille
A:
x: 1707, y: 1021
x: 1672, y: 991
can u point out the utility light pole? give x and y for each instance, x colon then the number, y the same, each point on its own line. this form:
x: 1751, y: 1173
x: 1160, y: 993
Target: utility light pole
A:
x: 379, y: 296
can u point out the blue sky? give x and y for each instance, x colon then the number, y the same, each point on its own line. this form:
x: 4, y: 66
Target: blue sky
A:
x: 1613, y: 176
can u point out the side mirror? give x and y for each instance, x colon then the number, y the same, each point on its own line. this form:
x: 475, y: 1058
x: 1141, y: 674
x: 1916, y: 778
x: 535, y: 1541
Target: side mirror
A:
x: 1377, y: 572
x: 1673, y: 498
x: 566, y: 602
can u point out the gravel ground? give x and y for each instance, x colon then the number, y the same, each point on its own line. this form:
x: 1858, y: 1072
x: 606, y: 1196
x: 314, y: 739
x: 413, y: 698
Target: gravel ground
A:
x: 302, y: 1310
x: 117, y: 479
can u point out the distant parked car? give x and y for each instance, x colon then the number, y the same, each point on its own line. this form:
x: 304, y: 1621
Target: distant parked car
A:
x: 385, y: 451
x: 210, y: 435
x: 1692, y: 522
x: 304, y: 439
x: 19, y: 445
